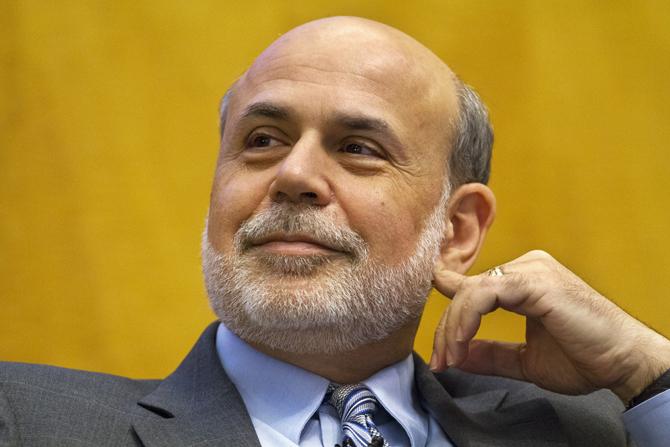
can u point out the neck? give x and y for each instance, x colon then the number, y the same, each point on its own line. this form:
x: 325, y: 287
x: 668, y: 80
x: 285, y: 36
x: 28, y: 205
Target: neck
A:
x: 352, y: 366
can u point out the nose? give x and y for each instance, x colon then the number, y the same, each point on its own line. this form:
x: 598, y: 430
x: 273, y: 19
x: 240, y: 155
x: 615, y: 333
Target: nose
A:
x: 301, y: 177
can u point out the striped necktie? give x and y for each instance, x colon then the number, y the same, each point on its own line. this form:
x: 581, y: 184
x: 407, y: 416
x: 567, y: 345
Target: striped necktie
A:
x: 355, y: 404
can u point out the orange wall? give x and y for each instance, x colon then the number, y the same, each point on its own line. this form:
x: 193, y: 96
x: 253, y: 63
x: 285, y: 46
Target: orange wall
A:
x: 108, y: 140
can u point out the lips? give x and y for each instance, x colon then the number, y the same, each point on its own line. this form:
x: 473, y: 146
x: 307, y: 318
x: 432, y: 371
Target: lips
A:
x: 293, y: 244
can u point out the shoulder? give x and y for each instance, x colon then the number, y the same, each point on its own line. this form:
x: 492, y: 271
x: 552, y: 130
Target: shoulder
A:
x: 595, y: 416
x: 64, y: 383
x: 37, y: 400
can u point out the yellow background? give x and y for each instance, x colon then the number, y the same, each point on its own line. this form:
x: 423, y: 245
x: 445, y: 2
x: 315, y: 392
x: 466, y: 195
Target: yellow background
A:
x: 108, y: 138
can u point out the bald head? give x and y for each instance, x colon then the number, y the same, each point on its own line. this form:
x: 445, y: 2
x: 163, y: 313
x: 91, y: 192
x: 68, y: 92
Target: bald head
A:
x: 384, y: 61
x: 366, y: 48
x: 395, y: 68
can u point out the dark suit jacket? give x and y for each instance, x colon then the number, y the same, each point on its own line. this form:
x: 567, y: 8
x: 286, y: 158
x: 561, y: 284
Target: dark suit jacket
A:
x: 197, y: 405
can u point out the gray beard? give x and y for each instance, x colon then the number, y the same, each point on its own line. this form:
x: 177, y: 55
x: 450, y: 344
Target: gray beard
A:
x: 342, y: 302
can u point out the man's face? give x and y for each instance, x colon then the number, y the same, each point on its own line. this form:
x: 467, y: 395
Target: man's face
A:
x: 326, y: 198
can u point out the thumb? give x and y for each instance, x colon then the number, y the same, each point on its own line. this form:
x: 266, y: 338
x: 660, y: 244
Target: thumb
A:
x: 495, y: 358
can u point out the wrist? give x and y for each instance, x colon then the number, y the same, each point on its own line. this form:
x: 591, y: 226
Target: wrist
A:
x: 653, y: 363
x: 658, y: 386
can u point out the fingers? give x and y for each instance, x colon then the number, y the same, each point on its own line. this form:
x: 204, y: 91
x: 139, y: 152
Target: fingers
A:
x: 520, y: 289
x: 575, y: 338
x: 450, y: 343
x: 462, y: 322
x: 446, y: 281
x: 438, y: 360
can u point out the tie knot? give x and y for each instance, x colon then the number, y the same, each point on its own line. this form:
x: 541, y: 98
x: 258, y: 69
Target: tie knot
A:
x: 356, y: 405
x: 352, y: 401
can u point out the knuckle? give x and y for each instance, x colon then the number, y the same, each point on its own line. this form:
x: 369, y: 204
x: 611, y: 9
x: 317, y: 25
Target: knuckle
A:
x: 541, y: 255
x: 547, y: 266
x: 543, y: 261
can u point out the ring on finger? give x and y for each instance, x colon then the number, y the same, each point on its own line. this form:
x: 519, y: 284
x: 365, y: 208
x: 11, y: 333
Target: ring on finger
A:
x: 496, y: 271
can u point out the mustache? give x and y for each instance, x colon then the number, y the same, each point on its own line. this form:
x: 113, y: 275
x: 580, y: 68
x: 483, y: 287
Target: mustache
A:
x: 299, y: 219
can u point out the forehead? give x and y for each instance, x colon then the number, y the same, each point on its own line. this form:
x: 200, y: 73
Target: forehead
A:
x: 313, y: 95
x: 319, y: 77
x: 363, y: 63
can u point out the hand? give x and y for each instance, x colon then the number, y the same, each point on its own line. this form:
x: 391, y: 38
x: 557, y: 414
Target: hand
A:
x: 577, y: 340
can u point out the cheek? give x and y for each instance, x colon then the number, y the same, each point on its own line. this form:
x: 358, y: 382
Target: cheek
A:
x: 234, y: 199
x: 390, y: 226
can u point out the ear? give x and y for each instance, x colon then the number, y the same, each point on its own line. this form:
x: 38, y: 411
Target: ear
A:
x: 471, y: 210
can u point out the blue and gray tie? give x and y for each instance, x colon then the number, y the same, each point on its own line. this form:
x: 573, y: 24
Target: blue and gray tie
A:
x: 356, y: 405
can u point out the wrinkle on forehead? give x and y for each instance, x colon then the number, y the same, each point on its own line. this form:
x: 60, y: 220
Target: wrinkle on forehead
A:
x: 365, y: 67
x: 359, y: 47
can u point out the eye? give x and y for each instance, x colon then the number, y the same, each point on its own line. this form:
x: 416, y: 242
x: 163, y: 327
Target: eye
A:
x: 359, y: 149
x: 260, y: 141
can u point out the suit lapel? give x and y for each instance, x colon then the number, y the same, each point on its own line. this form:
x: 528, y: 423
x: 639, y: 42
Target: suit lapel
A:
x: 475, y: 416
x: 197, y: 404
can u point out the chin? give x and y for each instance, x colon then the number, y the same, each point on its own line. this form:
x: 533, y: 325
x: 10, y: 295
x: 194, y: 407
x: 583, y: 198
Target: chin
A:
x: 326, y: 316
x: 319, y: 303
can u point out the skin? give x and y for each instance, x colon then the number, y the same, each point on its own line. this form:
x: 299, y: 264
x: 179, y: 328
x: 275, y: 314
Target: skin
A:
x: 577, y: 341
x: 318, y: 72
x: 382, y: 183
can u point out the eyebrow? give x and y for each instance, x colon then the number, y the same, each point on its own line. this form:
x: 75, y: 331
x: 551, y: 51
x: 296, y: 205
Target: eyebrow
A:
x: 353, y: 122
x: 359, y: 122
x: 267, y: 110
x: 371, y: 124
x: 350, y: 121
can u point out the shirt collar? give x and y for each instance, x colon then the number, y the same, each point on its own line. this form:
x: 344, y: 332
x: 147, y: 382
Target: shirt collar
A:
x: 285, y: 396
x: 278, y: 394
x: 395, y: 391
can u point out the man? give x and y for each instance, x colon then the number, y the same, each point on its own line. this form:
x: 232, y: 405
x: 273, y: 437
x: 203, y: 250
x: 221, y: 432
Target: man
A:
x: 351, y: 179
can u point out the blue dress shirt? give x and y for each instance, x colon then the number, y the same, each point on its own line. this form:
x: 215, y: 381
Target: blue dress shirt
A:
x: 649, y: 422
x: 285, y: 403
